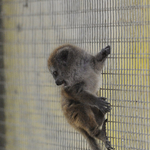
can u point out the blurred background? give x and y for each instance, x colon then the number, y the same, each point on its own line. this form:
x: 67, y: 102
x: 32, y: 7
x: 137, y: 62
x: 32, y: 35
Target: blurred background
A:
x: 30, y: 112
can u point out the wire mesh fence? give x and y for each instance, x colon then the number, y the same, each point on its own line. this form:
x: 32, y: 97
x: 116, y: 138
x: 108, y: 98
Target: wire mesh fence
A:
x: 30, y: 112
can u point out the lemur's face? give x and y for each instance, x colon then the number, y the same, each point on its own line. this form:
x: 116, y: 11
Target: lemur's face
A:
x: 59, y: 64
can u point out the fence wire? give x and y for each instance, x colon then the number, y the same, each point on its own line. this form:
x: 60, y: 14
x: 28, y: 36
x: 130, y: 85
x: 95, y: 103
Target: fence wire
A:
x: 30, y: 112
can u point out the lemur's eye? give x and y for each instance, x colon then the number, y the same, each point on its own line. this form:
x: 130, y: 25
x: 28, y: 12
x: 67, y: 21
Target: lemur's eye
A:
x: 55, y: 73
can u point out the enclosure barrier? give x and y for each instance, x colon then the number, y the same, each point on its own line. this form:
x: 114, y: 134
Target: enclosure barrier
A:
x: 30, y: 112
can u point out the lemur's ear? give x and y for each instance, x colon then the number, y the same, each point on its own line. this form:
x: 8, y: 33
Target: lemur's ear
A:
x: 62, y: 56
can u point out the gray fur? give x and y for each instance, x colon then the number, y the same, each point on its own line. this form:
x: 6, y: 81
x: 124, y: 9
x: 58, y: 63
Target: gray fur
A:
x: 84, y: 67
x: 79, y: 74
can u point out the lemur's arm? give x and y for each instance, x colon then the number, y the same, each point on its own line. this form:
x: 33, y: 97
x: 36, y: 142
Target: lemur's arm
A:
x: 85, y: 97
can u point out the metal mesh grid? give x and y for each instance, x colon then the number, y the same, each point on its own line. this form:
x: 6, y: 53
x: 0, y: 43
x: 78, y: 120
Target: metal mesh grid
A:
x: 31, y: 29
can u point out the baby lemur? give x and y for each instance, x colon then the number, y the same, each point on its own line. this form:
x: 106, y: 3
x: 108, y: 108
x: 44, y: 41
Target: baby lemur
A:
x: 78, y: 72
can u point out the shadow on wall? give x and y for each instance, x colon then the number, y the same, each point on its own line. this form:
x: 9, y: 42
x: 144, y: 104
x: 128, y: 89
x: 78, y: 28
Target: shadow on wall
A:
x: 2, y: 91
